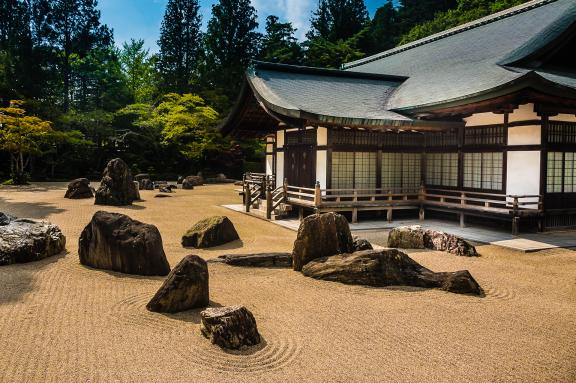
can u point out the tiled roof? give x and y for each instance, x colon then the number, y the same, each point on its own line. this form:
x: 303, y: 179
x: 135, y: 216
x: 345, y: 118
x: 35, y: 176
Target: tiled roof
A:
x: 470, y: 59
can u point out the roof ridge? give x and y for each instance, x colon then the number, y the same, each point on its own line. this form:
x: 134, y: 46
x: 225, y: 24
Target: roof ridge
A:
x: 453, y: 31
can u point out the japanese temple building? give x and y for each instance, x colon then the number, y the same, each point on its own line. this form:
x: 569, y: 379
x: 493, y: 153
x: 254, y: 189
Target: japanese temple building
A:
x: 478, y: 120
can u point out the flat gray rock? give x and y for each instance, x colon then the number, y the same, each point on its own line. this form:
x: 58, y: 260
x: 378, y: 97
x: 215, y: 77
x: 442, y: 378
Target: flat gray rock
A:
x: 255, y: 260
x: 25, y: 240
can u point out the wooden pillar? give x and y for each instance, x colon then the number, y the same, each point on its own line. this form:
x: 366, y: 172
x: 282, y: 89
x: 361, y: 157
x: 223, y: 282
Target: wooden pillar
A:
x: 462, y: 203
x: 355, y: 210
x: 247, y: 196
x: 515, y: 218
x: 317, y: 195
x: 269, y: 203
x: 300, y: 213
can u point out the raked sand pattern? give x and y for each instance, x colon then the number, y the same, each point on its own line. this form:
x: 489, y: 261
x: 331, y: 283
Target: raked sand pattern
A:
x: 63, y: 322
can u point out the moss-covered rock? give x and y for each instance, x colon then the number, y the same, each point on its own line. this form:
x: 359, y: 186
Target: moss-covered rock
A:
x: 210, y: 232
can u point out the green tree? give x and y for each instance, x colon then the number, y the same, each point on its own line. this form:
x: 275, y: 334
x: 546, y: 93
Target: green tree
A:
x: 231, y: 42
x: 18, y: 68
x: 180, y: 45
x: 279, y: 44
x: 21, y: 136
x: 138, y: 68
x: 72, y: 28
x: 336, y: 20
x: 383, y: 30
x: 326, y: 54
x: 467, y: 10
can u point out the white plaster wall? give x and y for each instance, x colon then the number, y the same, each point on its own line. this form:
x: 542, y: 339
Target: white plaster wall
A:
x: 269, y: 164
x: 484, y: 119
x: 564, y: 117
x: 525, y: 135
x: 523, y: 174
x: 279, y: 168
x: 322, y: 136
x: 280, y: 139
x: 523, y: 113
x: 321, y: 167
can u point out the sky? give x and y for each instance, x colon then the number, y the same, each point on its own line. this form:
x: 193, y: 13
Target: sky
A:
x: 141, y: 19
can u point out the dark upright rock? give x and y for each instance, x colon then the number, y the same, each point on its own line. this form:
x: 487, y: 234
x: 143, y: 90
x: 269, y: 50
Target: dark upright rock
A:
x: 230, y: 327
x: 321, y: 235
x: 209, y: 232
x: 185, y: 288
x: 24, y: 240
x: 116, y: 242
x: 78, y: 189
x: 388, y: 267
x: 117, y: 186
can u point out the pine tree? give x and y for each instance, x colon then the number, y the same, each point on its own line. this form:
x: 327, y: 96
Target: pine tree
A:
x: 336, y: 20
x: 383, y: 31
x: 180, y: 45
x: 73, y: 28
x: 231, y: 42
x: 16, y: 49
x: 279, y: 44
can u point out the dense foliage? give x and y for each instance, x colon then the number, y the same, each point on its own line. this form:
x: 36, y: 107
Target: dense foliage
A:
x: 86, y: 101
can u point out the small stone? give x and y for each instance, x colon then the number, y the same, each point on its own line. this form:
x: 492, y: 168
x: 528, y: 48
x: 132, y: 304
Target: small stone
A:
x: 185, y: 288
x: 362, y: 244
x: 230, y: 327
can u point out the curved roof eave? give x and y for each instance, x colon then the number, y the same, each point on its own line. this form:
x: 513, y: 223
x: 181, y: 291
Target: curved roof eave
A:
x: 294, y: 112
x: 531, y: 79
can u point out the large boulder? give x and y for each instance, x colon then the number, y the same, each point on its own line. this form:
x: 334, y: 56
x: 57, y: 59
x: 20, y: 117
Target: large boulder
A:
x: 185, y: 288
x: 25, y: 240
x: 231, y: 327
x: 209, y: 232
x: 255, y: 260
x: 78, y: 189
x: 321, y: 235
x: 191, y: 181
x: 116, y: 242
x: 117, y: 186
x: 415, y: 237
x: 388, y: 267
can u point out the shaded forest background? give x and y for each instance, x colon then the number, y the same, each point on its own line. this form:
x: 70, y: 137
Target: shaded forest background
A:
x: 81, y: 100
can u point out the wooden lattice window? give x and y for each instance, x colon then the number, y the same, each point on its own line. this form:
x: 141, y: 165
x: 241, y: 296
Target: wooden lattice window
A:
x: 354, y: 170
x: 443, y: 139
x: 561, y: 172
x: 493, y: 135
x: 442, y: 169
x: 401, y: 171
x: 483, y: 170
x: 561, y: 132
